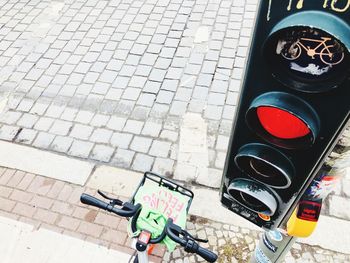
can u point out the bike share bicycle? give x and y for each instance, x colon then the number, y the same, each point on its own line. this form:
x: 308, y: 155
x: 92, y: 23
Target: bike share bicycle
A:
x: 157, y: 212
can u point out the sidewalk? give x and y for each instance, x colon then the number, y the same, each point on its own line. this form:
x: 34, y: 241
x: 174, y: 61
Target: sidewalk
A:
x: 49, y: 204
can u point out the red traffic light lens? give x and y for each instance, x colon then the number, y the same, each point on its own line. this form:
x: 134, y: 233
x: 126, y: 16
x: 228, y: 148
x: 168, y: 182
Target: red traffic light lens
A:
x: 281, y: 124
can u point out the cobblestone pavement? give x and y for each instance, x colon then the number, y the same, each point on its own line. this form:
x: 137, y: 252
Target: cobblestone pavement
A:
x: 53, y: 204
x: 111, y: 80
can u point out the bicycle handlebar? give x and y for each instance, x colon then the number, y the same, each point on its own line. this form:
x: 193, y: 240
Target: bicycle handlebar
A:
x: 173, y: 231
x: 127, y: 209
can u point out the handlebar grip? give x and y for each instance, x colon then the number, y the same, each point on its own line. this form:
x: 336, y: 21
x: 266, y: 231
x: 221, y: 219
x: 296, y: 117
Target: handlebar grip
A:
x: 90, y: 200
x: 207, y: 254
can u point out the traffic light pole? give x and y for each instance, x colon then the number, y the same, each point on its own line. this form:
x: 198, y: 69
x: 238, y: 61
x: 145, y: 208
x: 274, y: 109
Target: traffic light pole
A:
x: 275, y: 244
x: 272, y: 247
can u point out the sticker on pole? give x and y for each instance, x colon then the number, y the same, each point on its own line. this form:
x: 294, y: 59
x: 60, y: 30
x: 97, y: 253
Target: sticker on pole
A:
x: 261, y: 257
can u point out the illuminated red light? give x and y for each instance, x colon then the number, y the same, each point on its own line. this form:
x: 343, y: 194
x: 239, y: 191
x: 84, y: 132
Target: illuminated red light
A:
x: 281, y: 124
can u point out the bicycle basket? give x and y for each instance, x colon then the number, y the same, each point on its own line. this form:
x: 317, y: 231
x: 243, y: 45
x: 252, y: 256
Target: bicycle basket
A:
x: 161, y: 199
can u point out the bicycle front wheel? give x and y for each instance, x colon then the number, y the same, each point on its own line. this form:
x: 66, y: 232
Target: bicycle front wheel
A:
x: 330, y: 58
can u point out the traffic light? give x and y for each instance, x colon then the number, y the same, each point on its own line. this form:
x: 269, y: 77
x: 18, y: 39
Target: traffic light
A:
x: 294, y: 104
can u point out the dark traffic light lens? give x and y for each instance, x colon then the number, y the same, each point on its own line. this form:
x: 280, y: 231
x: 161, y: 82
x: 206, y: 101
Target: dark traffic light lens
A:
x: 266, y: 165
x: 253, y: 195
x: 308, y: 58
x: 281, y: 124
x: 284, y: 120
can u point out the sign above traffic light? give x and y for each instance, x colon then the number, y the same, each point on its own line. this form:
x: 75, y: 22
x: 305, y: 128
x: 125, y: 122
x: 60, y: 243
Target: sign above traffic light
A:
x: 295, y: 101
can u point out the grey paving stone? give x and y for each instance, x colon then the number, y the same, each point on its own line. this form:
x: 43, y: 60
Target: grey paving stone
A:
x: 69, y: 114
x: 133, y: 60
x: 10, y: 117
x: 26, y: 136
x: 216, y: 98
x: 39, y: 108
x: 44, y: 124
x: 114, y: 94
x: 192, y: 69
x: 100, y: 120
x: 220, y: 160
x: 142, y: 162
x: 80, y: 148
x: 101, y: 135
x: 54, y: 111
x: 229, y: 112
x: 127, y: 70
x: 102, y: 153
x: 81, y: 131
x: 160, y: 148
x: 140, y: 144
x: 162, y: 63
x: 60, y: 127
x: 115, y: 64
x: 91, y: 77
x: 204, y: 80
x: 159, y: 110
x: 157, y: 75
x: 121, y: 82
x: 143, y: 70
x: 27, y: 120
x: 131, y: 93
x: 213, y: 112
x: 339, y: 206
x: 165, y: 97
x: 116, y: 123
x: 121, y: 140
x: 123, y: 158
x: 43, y: 140
x: 133, y: 126
x: 108, y: 76
x: 169, y: 135
x: 178, y: 108
x: 219, y: 86
x: 200, y: 93
x: 84, y: 116
x: 61, y: 144
x: 124, y: 107
x: 183, y: 94
x: 152, y: 87
x: 151, y: 129
x: 140, y: 113
x: 8, y: 132
x: 146, y: 99
x: 25, y: 105
x: 163, y: 166
x: 170, y: 84
x: 137, y: 81
x: 222, y: 142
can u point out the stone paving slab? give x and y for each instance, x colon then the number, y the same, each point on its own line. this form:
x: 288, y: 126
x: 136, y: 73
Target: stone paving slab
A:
x: 44, y: 163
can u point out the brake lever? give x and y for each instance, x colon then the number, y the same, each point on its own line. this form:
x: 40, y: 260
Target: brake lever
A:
x: 188, y: 236
x: 112, y: 201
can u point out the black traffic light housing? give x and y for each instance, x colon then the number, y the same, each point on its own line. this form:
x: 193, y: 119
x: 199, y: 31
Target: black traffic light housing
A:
x: 294, y: 104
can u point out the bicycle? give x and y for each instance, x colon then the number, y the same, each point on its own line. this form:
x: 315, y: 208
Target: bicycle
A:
x: 329, y: 54
x: 144, y: 239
